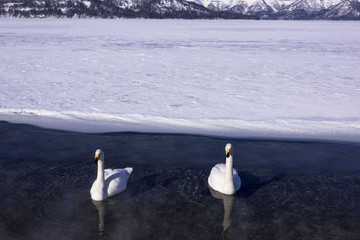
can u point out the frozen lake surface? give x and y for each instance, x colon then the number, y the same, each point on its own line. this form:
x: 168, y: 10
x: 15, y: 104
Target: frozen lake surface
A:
x: 272, y: 79
x: 290, y: 190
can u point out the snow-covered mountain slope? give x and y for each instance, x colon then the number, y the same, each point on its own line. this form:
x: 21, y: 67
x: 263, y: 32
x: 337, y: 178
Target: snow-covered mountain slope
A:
x: 277, y: 9
x: 263, y: 9
x: 243, y: 6
x: 344, y: 10
x: 316, y: 9
x: 311, y: 5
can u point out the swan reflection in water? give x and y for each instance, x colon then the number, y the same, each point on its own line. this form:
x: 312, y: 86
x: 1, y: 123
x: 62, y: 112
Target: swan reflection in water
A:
x: 228, y: 201
x: 101, y: 209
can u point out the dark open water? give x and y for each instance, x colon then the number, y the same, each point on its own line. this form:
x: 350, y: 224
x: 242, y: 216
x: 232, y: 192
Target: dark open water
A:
x: 290, y: 190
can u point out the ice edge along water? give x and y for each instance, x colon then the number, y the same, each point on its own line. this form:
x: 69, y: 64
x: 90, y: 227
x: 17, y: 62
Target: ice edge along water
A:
x: 229, y: 128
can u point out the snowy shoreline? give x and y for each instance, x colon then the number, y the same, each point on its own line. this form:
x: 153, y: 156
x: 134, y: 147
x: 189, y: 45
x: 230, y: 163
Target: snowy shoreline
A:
x: 291, y: 129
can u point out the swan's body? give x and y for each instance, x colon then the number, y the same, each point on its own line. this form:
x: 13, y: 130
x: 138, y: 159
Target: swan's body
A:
x: 109, y: 182
x: 223, y: 177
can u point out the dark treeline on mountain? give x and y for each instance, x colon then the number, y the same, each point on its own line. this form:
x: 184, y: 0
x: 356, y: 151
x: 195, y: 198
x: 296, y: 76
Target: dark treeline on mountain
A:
x: 107, y: 9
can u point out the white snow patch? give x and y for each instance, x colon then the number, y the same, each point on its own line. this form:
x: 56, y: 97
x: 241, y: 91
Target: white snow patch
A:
x: 87, y: 3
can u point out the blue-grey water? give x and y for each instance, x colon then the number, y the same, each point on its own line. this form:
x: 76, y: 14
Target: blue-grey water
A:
x: 290, y: 190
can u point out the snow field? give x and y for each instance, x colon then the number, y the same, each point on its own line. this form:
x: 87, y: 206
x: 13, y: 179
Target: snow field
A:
x: 228, y: 78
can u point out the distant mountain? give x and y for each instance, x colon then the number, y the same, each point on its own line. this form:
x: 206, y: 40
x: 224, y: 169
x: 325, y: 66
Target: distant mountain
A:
x: 112, y: 9
x: 188, y: 9
x: 296, y: 10
x: 346, y: 10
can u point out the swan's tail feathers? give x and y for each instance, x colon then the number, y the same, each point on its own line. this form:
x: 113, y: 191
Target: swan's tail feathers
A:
x: 129, y: 169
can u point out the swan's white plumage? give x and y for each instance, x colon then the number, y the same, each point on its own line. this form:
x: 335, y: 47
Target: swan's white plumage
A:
x: 109, y: 182
x: 223, y: 181
x: 217, y: 178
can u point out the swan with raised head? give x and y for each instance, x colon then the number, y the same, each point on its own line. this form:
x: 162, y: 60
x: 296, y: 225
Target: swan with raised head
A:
x: 223, y: 177
x: 109, y: 182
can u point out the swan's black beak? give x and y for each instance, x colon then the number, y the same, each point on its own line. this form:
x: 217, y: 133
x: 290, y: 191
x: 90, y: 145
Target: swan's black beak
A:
x: 97, y: 157
x: 227, y: 153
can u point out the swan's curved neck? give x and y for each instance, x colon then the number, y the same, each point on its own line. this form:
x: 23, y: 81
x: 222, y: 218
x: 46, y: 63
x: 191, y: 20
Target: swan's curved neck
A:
x: 229, y: 173
x: 100, y: 171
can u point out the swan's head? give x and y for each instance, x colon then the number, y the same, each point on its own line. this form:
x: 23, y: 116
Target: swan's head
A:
x: 228, y: 150
x: 99, y: 155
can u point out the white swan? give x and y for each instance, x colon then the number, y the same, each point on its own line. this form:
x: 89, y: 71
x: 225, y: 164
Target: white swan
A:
x: 223, y: 177
x: 109, y: 182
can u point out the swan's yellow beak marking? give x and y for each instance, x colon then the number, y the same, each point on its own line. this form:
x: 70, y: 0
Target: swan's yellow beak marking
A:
x: 96, y: 157
x: 227, y: 152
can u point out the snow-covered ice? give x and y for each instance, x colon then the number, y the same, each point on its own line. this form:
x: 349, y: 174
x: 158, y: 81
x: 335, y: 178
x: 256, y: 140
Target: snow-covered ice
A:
x: 287, y: 79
